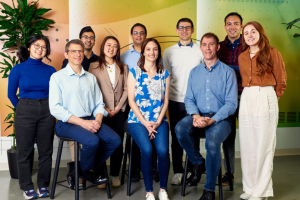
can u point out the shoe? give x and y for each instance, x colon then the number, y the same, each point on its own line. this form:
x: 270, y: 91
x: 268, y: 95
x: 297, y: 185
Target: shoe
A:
x: 207, y: 195
x: 225, y: 179
x: 189, y: 174
x: 258, y: 198
x: 102, y: 186
x: 136, y: 175
x: 150, y: 196
x: 71, y: 174
x: 245, y: 196
x: 115, y: 181
x: 163, y: 195
x: 195, y: 177
x: 95, y: 178
x: 30, y: 194
x: 43, y: 192
x: 176, y: 180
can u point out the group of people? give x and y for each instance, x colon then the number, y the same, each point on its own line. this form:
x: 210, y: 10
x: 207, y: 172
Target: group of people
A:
x: 204, y: 87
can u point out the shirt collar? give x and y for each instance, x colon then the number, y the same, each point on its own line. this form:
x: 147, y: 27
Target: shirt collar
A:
x: 189, y: 44
x: 132, y: 50
x: 71, y: 72
x: 236, y: 42
x: 212, y: 67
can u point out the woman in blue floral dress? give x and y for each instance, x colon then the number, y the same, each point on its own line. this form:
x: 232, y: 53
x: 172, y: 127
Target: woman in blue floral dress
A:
x: 148, y: 94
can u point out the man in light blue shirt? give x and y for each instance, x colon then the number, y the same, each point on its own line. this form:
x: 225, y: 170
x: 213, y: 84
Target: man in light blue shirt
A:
x: 210, y: 99
x: 130, y: 58
x: 76, y: 101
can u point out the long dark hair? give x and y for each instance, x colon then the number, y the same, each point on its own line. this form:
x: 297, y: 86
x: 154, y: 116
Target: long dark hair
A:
x: 23, y: 52
x: 117, y: 58
x: 141, y: 62
x: 264, y: 60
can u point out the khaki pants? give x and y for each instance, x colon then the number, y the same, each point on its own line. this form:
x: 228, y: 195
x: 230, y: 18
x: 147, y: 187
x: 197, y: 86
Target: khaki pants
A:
x: 258, y: 119
x: 72, y: 150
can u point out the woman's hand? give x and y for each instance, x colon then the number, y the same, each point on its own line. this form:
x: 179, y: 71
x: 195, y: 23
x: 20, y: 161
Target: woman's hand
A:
x: 157, y: 124
x: 114, y: 112
x: 109, y: 112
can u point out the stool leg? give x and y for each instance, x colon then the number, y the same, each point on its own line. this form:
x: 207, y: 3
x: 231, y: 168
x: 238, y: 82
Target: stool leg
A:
x: 60, y: 146
x: 125, y: 159
x: 184, y: 176
x: 129, y: 168
x: 76, y: 171
x: 83, y: 183
x: 107, y: 184
x: 226, y: 154
x: 220, y: 184
x: 156, y: 178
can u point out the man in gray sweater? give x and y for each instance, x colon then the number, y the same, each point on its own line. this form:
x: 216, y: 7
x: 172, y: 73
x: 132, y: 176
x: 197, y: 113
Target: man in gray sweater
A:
x: 179, y: 60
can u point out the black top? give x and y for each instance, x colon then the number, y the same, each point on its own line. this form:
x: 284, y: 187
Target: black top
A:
x: 85, y: 63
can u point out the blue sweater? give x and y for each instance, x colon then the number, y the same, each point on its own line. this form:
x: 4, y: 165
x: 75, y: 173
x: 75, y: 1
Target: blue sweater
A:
x: 32, y: 78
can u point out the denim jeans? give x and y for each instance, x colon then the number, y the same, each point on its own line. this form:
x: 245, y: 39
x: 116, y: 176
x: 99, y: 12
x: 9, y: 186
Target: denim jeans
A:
x: 215, y: 135
x: 96, y: 147
x: 140, y: 135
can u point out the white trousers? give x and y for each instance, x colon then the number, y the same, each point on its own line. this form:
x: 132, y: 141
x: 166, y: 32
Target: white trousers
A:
x: 258, y: 119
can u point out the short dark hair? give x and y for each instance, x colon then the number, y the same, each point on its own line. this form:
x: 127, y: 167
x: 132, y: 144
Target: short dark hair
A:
x: 185, y: 20
x: 76, y: 41
x: 209, y: 35
x: 234, y: 14
x: 138, y: 24
x: 86, y: 29
x: 23, y: 53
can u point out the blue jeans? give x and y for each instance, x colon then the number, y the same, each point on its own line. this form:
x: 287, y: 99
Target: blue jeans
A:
x: 96, y: 147
x: 140, y: 135
x: 215, y: 135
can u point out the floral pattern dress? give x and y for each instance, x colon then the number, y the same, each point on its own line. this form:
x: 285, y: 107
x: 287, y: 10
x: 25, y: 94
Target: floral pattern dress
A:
x: 149, y: 94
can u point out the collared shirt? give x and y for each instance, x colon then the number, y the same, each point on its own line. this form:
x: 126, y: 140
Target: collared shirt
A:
x: 71, y: 94
x: 234, y: 44
x: 189, y: 44
x: 85, y: 63
x: 130, y: 58
x: 212, y: 91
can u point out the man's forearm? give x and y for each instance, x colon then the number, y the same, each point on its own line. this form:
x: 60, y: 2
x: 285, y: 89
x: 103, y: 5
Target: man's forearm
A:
x: 99, y: 118
x: 75, y: 120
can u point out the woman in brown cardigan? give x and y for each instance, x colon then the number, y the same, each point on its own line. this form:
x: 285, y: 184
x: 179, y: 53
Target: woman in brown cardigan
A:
x: 111, y: 75
x: 264, y: 81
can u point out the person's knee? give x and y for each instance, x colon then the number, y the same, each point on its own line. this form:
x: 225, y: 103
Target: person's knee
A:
x: 147, y: 151
x: 163, y: 152
x: 212, y: 147
x: 180, y: 130
x: 92, y: 143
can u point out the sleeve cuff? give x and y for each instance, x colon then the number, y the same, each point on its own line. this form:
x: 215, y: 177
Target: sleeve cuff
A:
x: 216, y: 118
x: 66, y: 117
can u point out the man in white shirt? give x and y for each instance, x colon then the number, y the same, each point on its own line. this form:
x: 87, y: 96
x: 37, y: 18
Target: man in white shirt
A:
x: 179, y: 60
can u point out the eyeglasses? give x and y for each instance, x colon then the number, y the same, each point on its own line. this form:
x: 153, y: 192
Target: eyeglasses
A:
x: 138, y: 33
x: 87, y: 37
x: 37, y: 47
x: 188, y: 28
x: 74, y: 51
x: 110, y: 46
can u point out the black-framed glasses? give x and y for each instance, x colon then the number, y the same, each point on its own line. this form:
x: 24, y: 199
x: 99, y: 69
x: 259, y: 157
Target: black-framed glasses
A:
x: 37, y: 47
x: 138, y: 33
x: 74, y: 51
x: 188, y: 28
x: 87, y: 37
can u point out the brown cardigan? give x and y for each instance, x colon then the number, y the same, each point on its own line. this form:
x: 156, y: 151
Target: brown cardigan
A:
x: 111, y: 97
x: 249, y: 71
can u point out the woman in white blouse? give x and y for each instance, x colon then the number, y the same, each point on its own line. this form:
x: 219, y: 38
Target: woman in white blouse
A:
x: 111, y: 75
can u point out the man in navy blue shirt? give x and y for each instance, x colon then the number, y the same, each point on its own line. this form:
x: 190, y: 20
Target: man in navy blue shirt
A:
x: 211, y: 97
x: 87, y: 36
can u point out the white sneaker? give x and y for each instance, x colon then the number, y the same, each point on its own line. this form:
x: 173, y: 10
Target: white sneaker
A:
x: 176, y: 180
x: 150, y: 196
x: 245, y: 196
x: 163, y: 195
x: 258, y: 198
x: 188, y: 175
x: 115, y: 181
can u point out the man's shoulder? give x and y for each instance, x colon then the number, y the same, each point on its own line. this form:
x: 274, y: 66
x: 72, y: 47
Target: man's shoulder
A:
x: 226, y: 67
x: 197, y: 68
x: 175, y: 46
x: 126, y: 52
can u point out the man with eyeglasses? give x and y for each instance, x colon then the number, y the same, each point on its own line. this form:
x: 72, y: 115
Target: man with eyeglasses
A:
x: 76, y: 101
x: 87, y: 36
x: 230, y: 49
x: 130, y: 58
x: 179, y: 60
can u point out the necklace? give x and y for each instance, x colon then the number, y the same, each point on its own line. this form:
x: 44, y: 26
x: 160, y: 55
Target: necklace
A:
x: 110, y: 67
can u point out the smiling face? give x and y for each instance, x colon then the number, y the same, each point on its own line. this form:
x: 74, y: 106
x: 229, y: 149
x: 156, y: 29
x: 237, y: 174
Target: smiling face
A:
x: 185, y: 33
x: 251, y: 35
x: 38, y: 49
x: 151, y: 52
x: 138, y: 35
x: 209, y: 48
x: 110, y: 48
x: 75, y: 55
x: 88, y: 39
x: 233, y: 27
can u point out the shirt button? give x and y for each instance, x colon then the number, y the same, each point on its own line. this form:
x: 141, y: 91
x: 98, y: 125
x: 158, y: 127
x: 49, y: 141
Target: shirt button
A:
x: 249, y: 68
x: 250, y: 77
x: 207, y: 81
x: 207, y: 89
x: 248, y: 84
x: 207, y: 107
x: 116, y: 100
x: 207, y: 98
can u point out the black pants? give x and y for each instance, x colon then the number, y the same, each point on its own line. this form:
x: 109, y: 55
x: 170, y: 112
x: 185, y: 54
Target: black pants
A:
x: 116, y: 123
x: 34, y: 122
x: 176, y: 113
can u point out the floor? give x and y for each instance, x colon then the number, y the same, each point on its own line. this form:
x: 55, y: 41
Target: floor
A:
x: 286, y: 178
